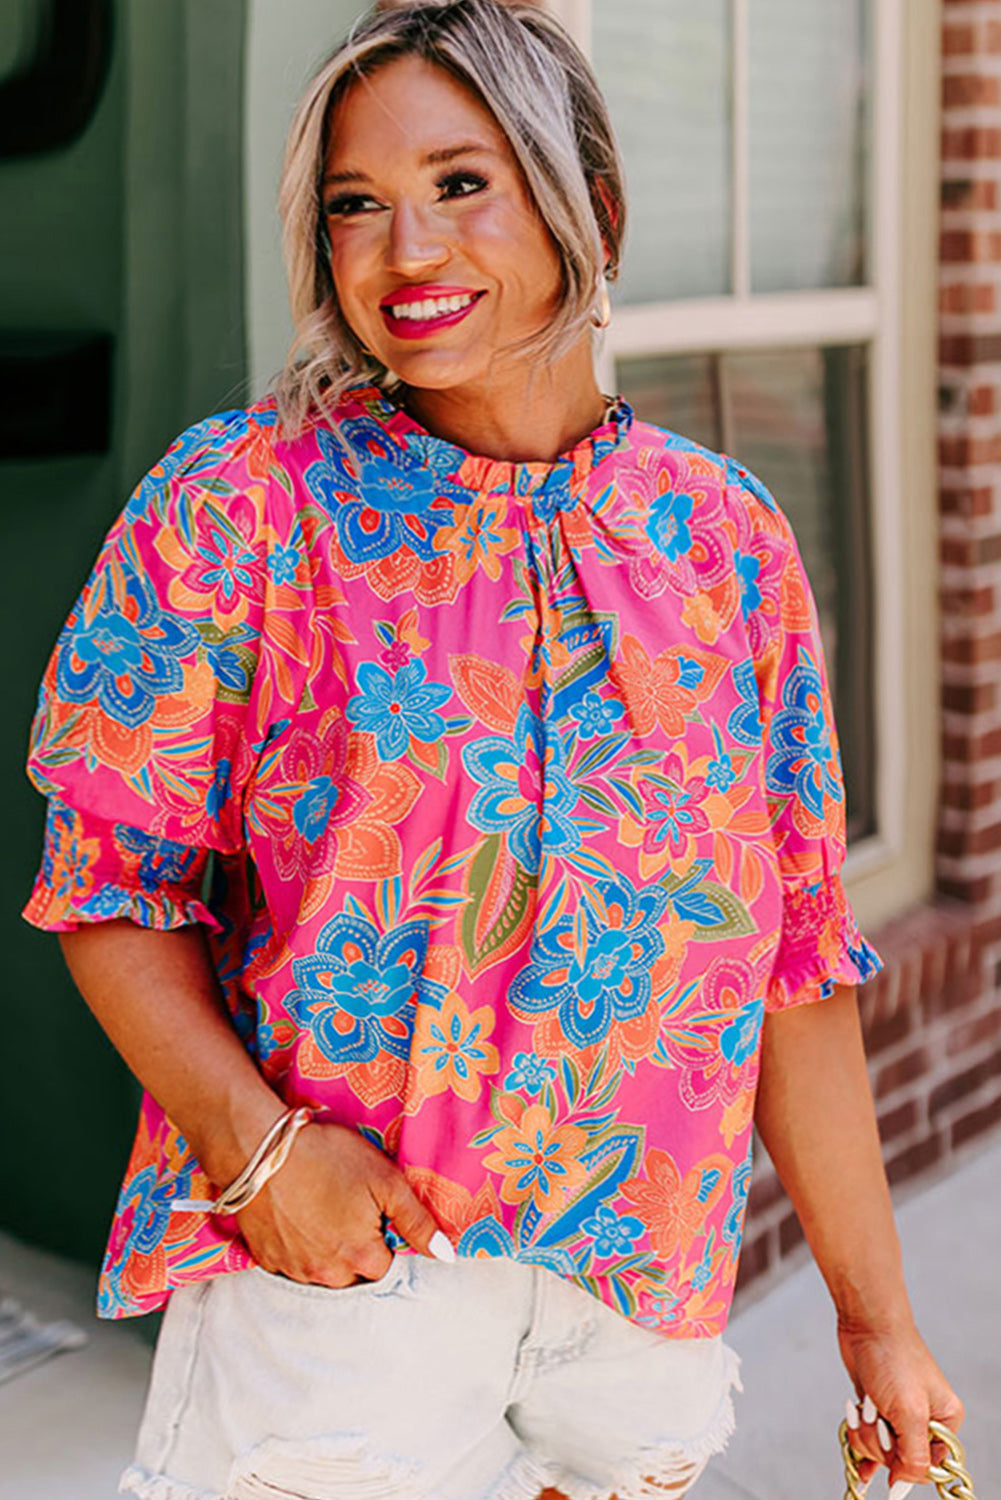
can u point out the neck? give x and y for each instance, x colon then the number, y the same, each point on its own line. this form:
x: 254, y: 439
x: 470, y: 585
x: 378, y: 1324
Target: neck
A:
x: 517, y: 414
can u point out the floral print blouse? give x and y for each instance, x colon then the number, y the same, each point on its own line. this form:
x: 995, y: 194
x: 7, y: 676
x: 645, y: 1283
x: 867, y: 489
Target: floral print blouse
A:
x: 510, y: 796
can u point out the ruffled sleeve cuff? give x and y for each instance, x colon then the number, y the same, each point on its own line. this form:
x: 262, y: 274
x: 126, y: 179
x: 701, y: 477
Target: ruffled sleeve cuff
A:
x: 95, y: 871
x: 820, y: 947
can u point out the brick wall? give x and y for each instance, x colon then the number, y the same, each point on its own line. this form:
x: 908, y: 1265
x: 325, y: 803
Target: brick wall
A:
x: 932, y: 1021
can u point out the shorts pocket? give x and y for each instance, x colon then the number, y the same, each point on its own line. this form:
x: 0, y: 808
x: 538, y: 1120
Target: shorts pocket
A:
x: 285, y: 1284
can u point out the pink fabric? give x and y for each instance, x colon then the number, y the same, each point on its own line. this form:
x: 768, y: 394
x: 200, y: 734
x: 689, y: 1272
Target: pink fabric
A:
x: 510, y: 794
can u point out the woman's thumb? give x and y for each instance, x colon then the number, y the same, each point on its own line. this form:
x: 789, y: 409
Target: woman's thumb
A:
x: 412, y: 1220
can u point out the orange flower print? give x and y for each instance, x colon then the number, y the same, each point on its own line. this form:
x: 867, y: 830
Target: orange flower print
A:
x: 538, y: 1159
x: 450, y: 1050
x: 476, y: 540
x: 675, y: 1208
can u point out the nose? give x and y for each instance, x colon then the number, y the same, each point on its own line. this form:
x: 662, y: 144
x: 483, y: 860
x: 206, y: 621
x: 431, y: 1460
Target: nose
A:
x: 417, y: 241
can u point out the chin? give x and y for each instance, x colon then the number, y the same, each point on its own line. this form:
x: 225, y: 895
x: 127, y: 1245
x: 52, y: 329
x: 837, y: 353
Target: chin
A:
x: 434, y: 369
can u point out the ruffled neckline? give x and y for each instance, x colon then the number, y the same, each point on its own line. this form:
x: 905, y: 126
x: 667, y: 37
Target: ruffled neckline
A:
x: 551, y: 484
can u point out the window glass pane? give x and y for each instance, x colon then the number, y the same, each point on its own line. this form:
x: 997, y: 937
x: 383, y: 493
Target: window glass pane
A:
x: 664, y: 66
x: 796, y: 418
x: 808, y: 142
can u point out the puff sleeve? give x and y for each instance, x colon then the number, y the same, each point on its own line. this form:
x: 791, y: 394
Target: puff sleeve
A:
x: 786, y: 686
x: 157, y: 695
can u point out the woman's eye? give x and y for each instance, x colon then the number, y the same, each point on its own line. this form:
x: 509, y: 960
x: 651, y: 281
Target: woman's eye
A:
x: 346, y: 204
x: 461, y: 184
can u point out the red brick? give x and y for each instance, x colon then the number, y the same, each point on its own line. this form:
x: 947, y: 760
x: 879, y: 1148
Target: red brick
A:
x: 969, y: 501
x: 766, y: 1190
x: 972, y: 142
x: 970, y: 796
x: 973, y: 892
x: 962, y: 1084
x: 899, y: 1120
x: 886, y: 1031
x: 958, y: 986
x: 962, y: 749
x: 961, y: 350
x: 963, y: 89
x: 972, y: 650
x: 991, y: 37
x: 958, y: 39
x: 988, y: 929
x: 971, y: 551
x: 969, y: 193
x: 914, y: 1159
x: 984, y: 1117
x: 969, y: 247
x: 901, y: 1071
x: 967, y: 1034
x: 982, y: 400
x: 790, y: 1234
x: 969, y: 697
x: 968, y: 603
x: 755, y: 1259
x: 961, y: 452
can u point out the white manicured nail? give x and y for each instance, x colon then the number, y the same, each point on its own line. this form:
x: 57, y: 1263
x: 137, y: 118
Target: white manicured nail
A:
x: 899, y: 1490
x: 441, y: 1247
x: 883, y: 1433
x: 869, y: 1411
x: 851, y: 1414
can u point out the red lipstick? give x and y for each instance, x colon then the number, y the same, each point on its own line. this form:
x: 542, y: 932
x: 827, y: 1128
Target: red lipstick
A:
x: 415, y: 312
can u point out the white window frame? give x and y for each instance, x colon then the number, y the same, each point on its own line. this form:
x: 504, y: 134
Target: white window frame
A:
x: 868, y: 315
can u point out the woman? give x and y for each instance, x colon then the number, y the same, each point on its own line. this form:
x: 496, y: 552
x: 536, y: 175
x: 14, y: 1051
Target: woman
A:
x: 445, y: 824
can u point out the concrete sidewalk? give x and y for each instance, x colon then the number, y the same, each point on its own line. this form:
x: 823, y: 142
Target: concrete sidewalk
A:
x: 66, y: 1428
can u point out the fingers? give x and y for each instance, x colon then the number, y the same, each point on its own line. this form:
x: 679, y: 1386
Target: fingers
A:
x: 905, y: 1451
x: 411, y: 1219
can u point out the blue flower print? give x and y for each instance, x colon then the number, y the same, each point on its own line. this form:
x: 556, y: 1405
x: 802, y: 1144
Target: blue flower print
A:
x: 704, y: 1269
x: 124, y: 656
x: 594, y: 975
x: 747, y: 568
x: 596, y: 715
x: 406, y: 498
x: 161, y: 861
x: 720, y: 773
x: 530, y: 1073
x: 109, y: 901
x: 803, y: 760
x: 393, y: 706
x: 357, y: 992
x: 613, y: 1234
x: 667, y: 524
x: 739, y: 1040
x: 227, y: 662
x: 282, y: 564
x: 312, y: 808
x: 524, y: 791
x: 740, y: 1184
x: 220, y: 791
x: 744, y: 724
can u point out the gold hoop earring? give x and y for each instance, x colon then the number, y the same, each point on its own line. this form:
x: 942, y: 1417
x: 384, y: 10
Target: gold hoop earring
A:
x: 602, y: 314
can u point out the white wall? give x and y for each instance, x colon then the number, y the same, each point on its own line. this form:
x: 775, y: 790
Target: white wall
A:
x: 286, y: 42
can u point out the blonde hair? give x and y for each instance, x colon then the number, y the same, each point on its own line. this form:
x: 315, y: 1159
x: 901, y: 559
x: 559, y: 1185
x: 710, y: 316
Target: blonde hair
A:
x: 526, y: 70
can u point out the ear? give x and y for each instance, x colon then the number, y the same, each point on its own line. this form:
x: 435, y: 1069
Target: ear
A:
x: 610, y: 211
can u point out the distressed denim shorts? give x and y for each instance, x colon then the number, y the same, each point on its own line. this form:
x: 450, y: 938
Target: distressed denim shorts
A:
x: 483, y: 1380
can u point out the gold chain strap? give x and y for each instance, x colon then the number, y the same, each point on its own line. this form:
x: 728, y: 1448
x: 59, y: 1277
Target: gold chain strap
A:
x: 950, y: 1477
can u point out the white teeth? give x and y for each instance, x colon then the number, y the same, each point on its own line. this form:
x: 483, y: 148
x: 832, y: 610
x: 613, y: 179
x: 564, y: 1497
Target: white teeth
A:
x: 432, y: 307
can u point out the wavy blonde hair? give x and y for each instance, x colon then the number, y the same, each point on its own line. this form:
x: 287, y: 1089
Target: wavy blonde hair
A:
x: 534, y: 80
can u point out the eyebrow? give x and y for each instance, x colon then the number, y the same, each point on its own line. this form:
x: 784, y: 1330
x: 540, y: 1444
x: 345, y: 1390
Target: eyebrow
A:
x: 431, y: 159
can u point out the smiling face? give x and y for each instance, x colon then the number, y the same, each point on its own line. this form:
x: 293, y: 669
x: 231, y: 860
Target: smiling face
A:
x: 440, y: 259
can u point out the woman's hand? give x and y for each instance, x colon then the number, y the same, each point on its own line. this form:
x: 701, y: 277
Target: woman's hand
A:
x: 906, y: 1388
x: 319, y: 1219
